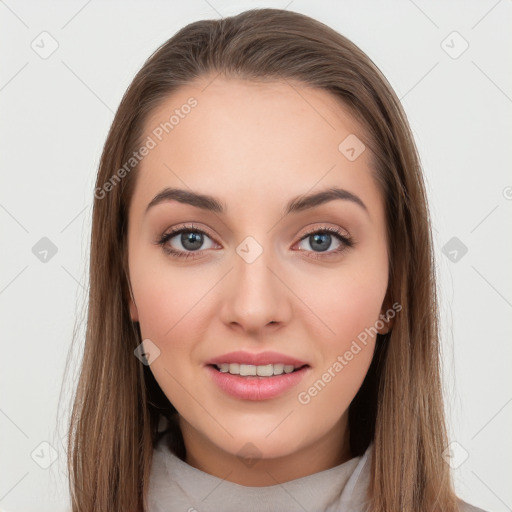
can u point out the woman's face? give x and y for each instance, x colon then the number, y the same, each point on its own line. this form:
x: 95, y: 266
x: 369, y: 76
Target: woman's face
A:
x: 258, y: 277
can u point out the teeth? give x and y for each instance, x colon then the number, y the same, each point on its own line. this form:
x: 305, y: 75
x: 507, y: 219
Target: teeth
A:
x: 278, y: 369
x: 245, y: 370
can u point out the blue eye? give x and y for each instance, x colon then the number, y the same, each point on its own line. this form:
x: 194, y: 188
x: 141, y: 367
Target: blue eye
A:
x: 321, y: 239
x: 192, y: 239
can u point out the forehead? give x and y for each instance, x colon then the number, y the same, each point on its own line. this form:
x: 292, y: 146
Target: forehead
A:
x: 256, y: 140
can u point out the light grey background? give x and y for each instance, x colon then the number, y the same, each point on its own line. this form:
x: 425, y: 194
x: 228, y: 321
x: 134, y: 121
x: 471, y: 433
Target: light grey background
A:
x: 55, y: 115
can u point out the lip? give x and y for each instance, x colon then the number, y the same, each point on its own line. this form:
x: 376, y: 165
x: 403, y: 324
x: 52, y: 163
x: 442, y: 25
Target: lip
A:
x: 255, y: 387
x: 256, y: 359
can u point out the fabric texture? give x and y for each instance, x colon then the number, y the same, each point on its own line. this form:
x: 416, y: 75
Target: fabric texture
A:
x: 176, y: 485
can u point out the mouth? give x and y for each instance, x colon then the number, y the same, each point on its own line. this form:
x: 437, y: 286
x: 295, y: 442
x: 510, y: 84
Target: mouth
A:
x: 264, y: 371
x: 246, y: 382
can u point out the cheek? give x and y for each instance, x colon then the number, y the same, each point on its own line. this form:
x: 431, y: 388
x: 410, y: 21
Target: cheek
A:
x: 345, y: 356
x: 346, y: 304
x: 168, y: 305
x: 357, y: 310
x: 329, y: 394
x: 171, y: 306
x: 166, y: 298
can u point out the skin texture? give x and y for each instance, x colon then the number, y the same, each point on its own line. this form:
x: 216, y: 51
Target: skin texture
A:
x: 255, y: 146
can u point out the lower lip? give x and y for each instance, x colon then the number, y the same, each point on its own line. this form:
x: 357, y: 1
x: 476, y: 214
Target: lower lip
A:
x: 255, y: 387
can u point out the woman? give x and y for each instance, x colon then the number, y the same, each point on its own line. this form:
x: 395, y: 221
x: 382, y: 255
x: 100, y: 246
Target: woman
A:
x: 263, y: 328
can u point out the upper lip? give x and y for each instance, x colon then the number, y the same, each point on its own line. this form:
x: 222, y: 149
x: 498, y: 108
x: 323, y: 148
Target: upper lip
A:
x: 256, y: 359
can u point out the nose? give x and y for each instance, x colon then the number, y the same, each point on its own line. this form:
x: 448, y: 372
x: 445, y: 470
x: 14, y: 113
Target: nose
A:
x: 255, y: 297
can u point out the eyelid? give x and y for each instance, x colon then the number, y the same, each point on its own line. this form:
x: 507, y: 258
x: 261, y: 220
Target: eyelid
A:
x: 193, y: 227
x: 188, y: 227
x: 334, y: 229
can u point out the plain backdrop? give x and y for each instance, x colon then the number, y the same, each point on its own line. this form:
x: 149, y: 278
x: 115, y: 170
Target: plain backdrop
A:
x: 64, y: 67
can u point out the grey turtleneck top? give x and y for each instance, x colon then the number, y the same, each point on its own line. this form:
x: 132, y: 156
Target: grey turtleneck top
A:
x: 175, y: 485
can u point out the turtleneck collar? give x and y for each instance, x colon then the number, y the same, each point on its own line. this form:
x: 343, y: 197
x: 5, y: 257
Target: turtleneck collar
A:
x: 176, y: 485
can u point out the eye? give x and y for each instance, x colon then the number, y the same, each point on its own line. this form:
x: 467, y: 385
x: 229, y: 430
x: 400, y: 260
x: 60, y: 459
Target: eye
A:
x: 322, y: 238
x: 189, y: 240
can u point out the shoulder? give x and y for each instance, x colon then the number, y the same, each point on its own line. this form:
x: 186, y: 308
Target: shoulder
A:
x: 466, y: 507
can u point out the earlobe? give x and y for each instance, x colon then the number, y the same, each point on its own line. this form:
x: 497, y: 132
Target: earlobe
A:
x: 384, y: 330
x: 385, y: 324
x: 386, y: 320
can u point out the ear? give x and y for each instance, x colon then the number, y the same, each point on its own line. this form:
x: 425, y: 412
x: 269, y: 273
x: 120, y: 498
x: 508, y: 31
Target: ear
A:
x: 385, y: 316
x: 388, y: 323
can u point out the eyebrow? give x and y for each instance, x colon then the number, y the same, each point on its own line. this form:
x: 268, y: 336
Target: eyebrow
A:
x: 298, y: 204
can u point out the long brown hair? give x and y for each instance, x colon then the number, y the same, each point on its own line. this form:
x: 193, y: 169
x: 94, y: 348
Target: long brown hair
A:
x: 118, y: 404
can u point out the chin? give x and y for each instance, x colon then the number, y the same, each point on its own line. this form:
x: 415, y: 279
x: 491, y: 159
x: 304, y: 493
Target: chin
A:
x: 258, y: 444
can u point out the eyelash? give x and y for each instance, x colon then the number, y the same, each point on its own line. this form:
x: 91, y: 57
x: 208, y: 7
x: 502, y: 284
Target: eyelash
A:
x: 347, y: 241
